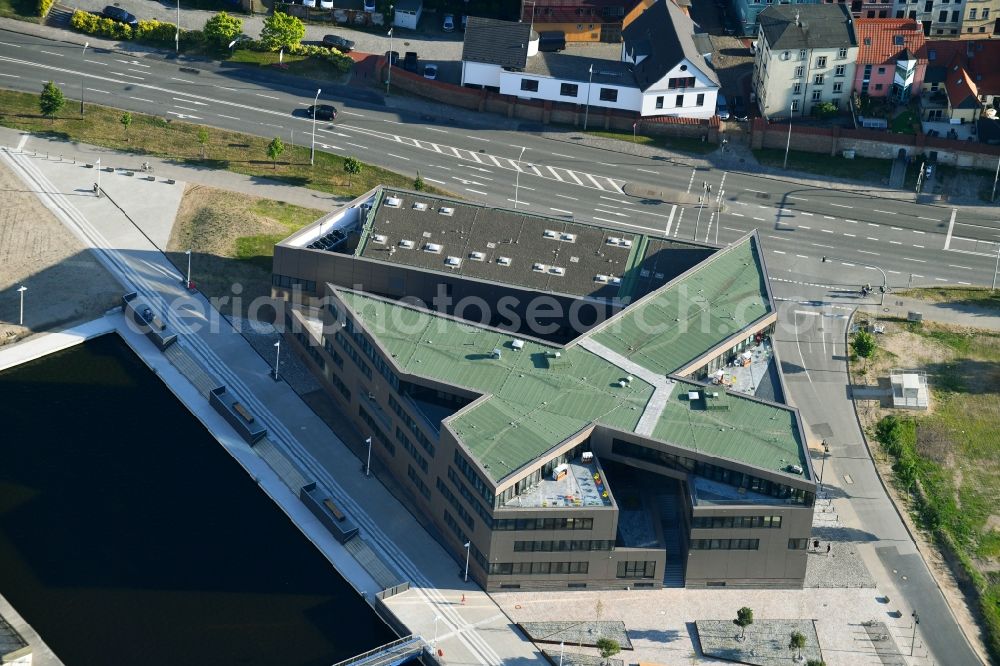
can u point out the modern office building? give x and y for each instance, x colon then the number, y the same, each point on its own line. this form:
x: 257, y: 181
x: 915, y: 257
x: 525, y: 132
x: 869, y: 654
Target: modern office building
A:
x: 547, y: 392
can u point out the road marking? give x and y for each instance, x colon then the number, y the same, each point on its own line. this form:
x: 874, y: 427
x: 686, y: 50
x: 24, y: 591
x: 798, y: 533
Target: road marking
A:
x: 919, y: 261
x: 895, y: 243
x: 174, y: 78
x: 802, y: 226
x: 741, y: 231
x: 848, y: 264
x: 594, y: 181
x: 826, y: 231
x: 884, y: 212
x: 477, y: 138
x: 919, y: 276
x: 951, y: 227
x: 918, y: 232
x: 867, y: 252
x: 870, y: 238
x: 351, y: 113
x: 554, y: 173
x: 434, y: 180
x: 691, y: 180
x: 130, y: 76
x: 779, y: 252
x: 519, y: 202
x: 940, y: 279
x: 16, y: 46
x: 143, y: 99
x: 230, y: 89
x: 827, y: 217
x: 601, y: 219
x: 133, y: 62
x: 229, y: 117
x: 805, y: 213
x: 851, y: 221
x: 610, y: 212
x: 267, y: 96
x: 436, y: 129
x: 798, y: 198
x: 358, y: 145
x: 189, y: 101
x: 476, y: 192
x: 398, y: 157
x: 965, y: 268
x: 757, y: 191
x: 12, y: 76
x: 606, y: 164
x: 818, y: 245
x: 760, y: 219
x: 850, y: 235
x: 931, y: 219
x: 563, y: 196
x: 100, y: 91
x: 183, y: 116
x: 841, y: 205
x: 920, y: 246
x: 801, y: 256
x: 737, y: 214
x: 61, y: 55
x: 965, y: 283
x: 569, y: 157
x: 560, y: 210
x: 186, y: 108
x: 647, y: 171
x: 896, y: 228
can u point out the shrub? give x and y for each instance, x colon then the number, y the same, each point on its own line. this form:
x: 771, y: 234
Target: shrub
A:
x: 282, y: 31
x: 84, y: 22
x: 44, y: 6
x: 156, y: 32
x: 92, y: 24
x: 222, y: 29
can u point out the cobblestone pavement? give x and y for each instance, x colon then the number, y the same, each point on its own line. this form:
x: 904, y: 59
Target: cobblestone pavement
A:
x: 766, y: 642
x: 262, y: 337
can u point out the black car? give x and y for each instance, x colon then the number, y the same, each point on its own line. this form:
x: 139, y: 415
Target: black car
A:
x: 739, y: 108
x: 120, y: 15
x: 337, y: 42
x: 410, y: 61
x: 322, y: 112
x: 392, y: 57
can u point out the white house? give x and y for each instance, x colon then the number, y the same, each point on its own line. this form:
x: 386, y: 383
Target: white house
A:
x: 661, y: 72
x: 406, y: 13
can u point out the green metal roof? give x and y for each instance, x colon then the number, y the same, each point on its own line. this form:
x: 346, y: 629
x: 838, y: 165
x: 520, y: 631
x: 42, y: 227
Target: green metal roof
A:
x: 682, y: 320
x: 758, y: 433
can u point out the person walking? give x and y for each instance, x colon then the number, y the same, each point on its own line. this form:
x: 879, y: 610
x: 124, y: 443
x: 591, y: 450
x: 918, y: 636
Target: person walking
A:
x: 828, y: 548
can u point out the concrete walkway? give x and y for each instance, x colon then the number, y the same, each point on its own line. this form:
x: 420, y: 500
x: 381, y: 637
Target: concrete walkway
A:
x: 961, y: 314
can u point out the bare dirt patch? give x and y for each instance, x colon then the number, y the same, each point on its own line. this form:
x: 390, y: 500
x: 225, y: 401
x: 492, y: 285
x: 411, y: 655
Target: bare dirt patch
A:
x: 66, y: 283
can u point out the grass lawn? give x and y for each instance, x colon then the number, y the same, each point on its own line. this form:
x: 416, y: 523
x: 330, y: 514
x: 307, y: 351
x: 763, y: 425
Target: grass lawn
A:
x: 868, y: 169
x: 232, y: 236
x: 177, y: 140
x: 946, y: 467
x: 22, y: 10
x: 903, y: 123
x: 681, y: 144
x: 977, y: 296
x: 297, y: 65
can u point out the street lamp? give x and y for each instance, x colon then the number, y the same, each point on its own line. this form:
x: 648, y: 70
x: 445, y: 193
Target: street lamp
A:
x: 704, y: 196
x: 885, y: 280
x: 718, y: 222
x: 996, y: 267
x: 187, y: 285
x: 822, y: 469
x: 468, y: 549
x: 561, y: 644
x: 993, y: 197
x: 913, y: 639
x: 277, y: 358
x: 436, y: 619
x: 388, y: 78
x: 312, y: 151
x: 586, y: 113
x: 98, y: 165
x: 177, y: 32
x: 788, y: 142
x: 368, y: 462
x: 82, y: 56
x: 21, y: 290
x: 517, y: 177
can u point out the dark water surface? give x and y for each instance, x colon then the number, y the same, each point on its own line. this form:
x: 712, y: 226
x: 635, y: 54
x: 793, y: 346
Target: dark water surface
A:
x: 129, y: 536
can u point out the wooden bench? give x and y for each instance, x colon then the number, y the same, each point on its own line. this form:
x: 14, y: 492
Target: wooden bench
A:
x: 332, y: 508
x: 242, y: 411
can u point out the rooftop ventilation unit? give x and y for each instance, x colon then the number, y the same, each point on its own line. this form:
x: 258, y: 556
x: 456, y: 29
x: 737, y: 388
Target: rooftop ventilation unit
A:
x: 517, y: 344
x: 406, y: 244
x: 557, y: 270
x: 379, y: 238
x: 393, y: 202
x: 567, y: 238
x: 454, y: 262
x: 477, y: 256
x: 613, y: 240
x: 615, y: 280
x: 446, y: 211
x: 644, y: 273
x: 432, y: 247
x: 496, y: 352
x: 603, y: 279
x: 550, y: 234
x: 419, y: 206
x: 626, y: 243
x: 503, y: 261
x: 539, y: 268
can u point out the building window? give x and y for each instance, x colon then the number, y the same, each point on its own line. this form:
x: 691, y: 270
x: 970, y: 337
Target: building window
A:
x: 568, y: 89
x: 795, y: 105
x: 537, y: 568
x: 727, y: 544
x: 802, y: 54
x: 943, y: 17
x: 838, y: 87
x: 735, y: 522
x: 609, y: 95
x: 878, y: 86
x: 821, y: 61
x: 683, y: 82
x: 817, y: 95
x: 972, y: 14
x: 842, y: 53
x: 818, y: 79
x: 841, y: 70
x: 986, y: 12
x: 637, y: 569
x: 679, y: 101
x: 700, y: 100
x: 954, y: 17
x: 798, y: 544
x: 659, y: 102
x: 799, y: 71
x: 881, y: 70
x: 797, y: 89
x: 519, y: 524
x: 529, y: 85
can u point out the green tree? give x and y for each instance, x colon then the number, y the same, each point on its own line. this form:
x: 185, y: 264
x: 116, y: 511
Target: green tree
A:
x: 797, y: 642
x: 418, y: 183
x: 824, y: 110
x: 281, y: 31
x: 202, y: 140
x: 744, y: 618
x: 351, y: 167
x: 274, y: 150
x: 126, y: 121
x: 222, y: 28
x: 51, y: 100
x: 815, y: 662
x: 864, y: 344
x: 608, y: 647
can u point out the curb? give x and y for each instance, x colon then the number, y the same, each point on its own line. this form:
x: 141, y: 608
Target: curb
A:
x: 895, y: 506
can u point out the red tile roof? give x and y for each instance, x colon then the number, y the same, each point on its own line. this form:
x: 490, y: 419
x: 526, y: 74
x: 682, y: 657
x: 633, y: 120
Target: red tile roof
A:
x: 970, y: 67
x: 878, y: 43
x: 577, y: 11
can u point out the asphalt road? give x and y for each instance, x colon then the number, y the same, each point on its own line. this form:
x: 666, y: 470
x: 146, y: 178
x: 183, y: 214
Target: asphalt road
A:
x: 912, y: 243
x: 810, y: 342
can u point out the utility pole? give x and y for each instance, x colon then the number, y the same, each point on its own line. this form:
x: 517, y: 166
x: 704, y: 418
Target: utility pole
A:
x: 993, y: 197
x: 388, y: 78
x: 788, y: 142
x: 885, y: 279
x: 913, y: 639
x: 996, y: 267
x: 312, y: 150
x: 920, y: 177
x: 517, y: 177
x: 586, y: 113
x: 822, y: 469
x: 84, y: 55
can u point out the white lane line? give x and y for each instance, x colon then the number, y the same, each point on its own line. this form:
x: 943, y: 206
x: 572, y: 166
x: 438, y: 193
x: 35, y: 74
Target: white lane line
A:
x: 398, y: 157
x: 920, y: 246
x: 647, y: 171
x: 760, y: 219
x: 884, y: 212
x: 609, y: 212
x: 16, y: 46
x: 434, y: 180
x: 476, y: 191
x: 805, y: 213
x: 940, y: 279
x: 802, y: 226
x: 848, y: 264
x: 841, y: 205
x: 826, y: 231
x: 965, y: 283
x: 850, y: 235
x: 476, y: 138
x: 523, y: 187
x: 872, y: 224
x: 819, y: 245
x: 896, y: 228
x: 851, y: 221
x: 827, y: 217
x: 129, y: 76
x: 870, y: 238
x: 798, y: 198
x: 606, y: 164
x: 563, y: 196
x: 356, y: 145
x: 736, y: 230
x: 12, y: 76
x: 149, y: 101
x: 929, y: 219
x: 615, y: 187
x: 569, y: 157
x: 779, y: 251
x: 965, y: 268
x: 915, y: 275
x: 352, y: 113
x: 267, y: 96
x: 225, y: 116
x: 573, y: 176
x: 918, y: 232
x: 188, y: 101
x: 560, y: 210
x: 437, y: 129
x: 757, y: 191
x: 741, y: 203
x: 519, y: 202
x: 737, y: 214
x: 951, y: 228
x: 690, y: 182
x: 437, y: 148
x: 186, y: 108
x: 133, y: 62
x: 97, y: 62
x: 61, y: 55
x: 895, y: 243
x: 174, y: 78
x: 183, y: 116
x: 801, y: 256
x: 919, y: 261
x: 594, y: 181
x: 105, y: 92
x: 229, y: 89
x: 476, y: 157
x: 867, y: 252
x: 556, y: 174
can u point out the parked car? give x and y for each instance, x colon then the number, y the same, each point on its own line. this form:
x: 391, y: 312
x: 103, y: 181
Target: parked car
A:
x: 739, y: 108
x: 722, y: 107
x: 337, y: 42
x: 392, y: 57
x: 326, y: 4
x: 120, y: 15
x: 322, y: 112
x: 552, y: 40
x: 309, y: 3
x: 449, y: 23
x: 430, y: 72
x: 369, y: 5
x: 410, y: 61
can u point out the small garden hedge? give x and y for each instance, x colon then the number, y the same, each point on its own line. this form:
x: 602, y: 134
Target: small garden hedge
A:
x: 44, y: 6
